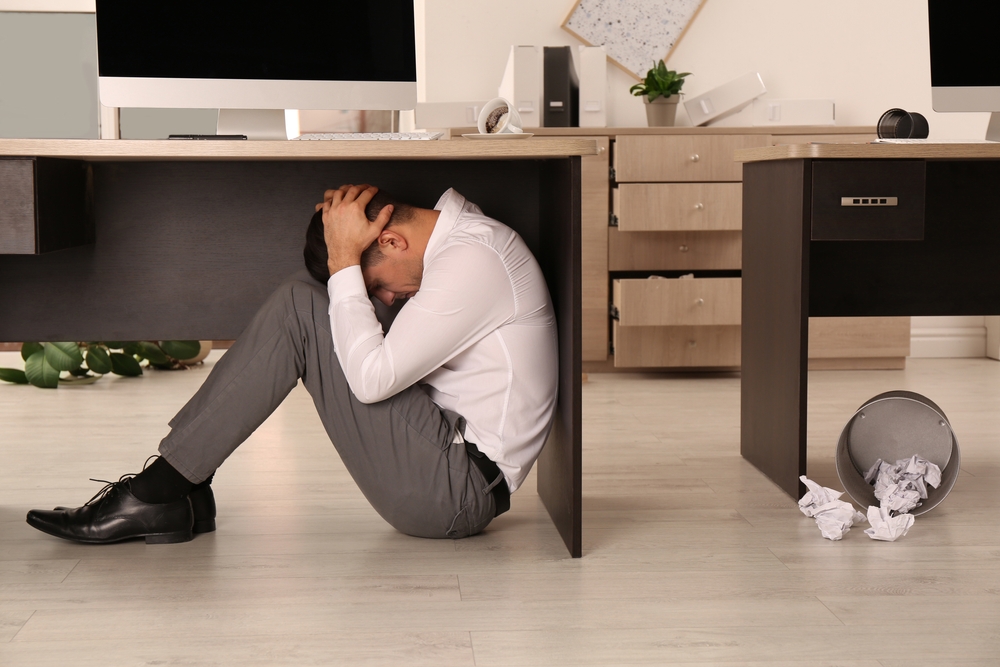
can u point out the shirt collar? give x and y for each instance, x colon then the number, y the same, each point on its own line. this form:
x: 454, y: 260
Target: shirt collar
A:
x: 450, y: 204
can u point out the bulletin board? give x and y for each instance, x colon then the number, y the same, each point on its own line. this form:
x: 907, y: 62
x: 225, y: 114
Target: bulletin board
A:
x: 634, y: 33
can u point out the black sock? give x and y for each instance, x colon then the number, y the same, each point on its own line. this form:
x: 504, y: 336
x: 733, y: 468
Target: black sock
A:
x: 161, y: 483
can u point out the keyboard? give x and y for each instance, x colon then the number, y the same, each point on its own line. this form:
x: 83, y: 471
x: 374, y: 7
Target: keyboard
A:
x: 370, y: 136
x: 901, y: 141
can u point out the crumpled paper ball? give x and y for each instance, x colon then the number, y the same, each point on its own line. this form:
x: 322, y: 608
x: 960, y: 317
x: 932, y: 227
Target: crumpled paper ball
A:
x: 834, y: 517
x: 886, y: 527
x: 900, y: 486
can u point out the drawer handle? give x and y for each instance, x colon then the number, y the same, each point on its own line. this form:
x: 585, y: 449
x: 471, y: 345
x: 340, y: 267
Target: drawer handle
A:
x: 699, y: 207
x: 692, y: 343
x: 683, y: 248
x: 695, y: 157
x: 699, y: 302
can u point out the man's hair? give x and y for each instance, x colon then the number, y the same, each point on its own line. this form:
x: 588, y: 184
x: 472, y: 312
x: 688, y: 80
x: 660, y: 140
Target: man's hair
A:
x: 315, y: 252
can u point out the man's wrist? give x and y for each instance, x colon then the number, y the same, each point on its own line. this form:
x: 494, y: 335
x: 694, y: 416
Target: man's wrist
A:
x: 335, y: 265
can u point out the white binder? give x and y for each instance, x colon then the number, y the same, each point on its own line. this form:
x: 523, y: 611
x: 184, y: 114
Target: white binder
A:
x: 725, y: 99
x: 522, y: 84
x: 592, y: 66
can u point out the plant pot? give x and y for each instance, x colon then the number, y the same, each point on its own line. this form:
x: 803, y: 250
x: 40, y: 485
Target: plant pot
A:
x: 662, y: 111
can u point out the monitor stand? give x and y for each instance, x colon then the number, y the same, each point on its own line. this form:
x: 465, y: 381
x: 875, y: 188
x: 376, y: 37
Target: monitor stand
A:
x: 993, y: 129
x: 256, y: 124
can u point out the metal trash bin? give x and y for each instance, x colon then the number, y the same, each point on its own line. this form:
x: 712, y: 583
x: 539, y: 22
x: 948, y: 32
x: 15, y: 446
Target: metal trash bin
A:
x: 892, y: 426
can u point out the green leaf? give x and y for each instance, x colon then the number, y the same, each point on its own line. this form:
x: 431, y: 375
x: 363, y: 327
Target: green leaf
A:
x: 151, y: 352
x: 114, y: 344
x: 40, y: 372
x: 77, y: 381
x: 63, y: 356
x: 13, y: 375
x: 98, y: 360
x: 660, y: 82
x: 28, y: 349
x: 181, y: 349
x: 125, y: 364
x: 130, y: 349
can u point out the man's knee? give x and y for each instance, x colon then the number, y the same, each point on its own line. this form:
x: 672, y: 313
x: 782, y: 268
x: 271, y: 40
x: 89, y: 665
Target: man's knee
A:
x: 302, y: 292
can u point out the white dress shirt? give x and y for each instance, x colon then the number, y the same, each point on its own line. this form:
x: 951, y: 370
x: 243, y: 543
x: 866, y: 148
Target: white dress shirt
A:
x: 480, y: 334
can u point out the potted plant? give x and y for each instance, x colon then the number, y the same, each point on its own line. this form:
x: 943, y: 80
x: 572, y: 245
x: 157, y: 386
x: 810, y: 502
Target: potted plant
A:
x: 661, y: 91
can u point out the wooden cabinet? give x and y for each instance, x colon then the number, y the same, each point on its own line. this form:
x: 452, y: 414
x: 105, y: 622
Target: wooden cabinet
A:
x: 668, y: 202
x: 676, y: 210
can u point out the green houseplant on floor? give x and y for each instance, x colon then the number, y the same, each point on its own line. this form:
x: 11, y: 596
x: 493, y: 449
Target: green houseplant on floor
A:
x: 48, y: 365
x: 661, y: 91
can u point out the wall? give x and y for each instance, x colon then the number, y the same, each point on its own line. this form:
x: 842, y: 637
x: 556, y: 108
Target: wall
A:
x: 834, y: 49
x: 48, y: 76
x: 803, y: 48
x: 866, y: 56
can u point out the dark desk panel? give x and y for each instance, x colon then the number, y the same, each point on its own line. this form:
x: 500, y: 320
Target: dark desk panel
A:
x: 788, y: 277
x: 190, y: 250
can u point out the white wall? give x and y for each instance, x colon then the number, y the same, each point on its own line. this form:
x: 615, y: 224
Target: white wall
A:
x: 867, y: 56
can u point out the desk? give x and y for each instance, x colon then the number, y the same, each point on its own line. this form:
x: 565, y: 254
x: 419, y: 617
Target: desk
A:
x: 190, y: 237
x: 804, y: 253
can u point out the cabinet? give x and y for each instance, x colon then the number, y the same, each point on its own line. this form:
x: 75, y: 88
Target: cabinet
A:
x: 675, y: 253
x: 667, y: 203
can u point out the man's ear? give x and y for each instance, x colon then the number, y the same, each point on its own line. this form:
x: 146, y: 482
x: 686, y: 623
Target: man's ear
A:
x: 389, y: 241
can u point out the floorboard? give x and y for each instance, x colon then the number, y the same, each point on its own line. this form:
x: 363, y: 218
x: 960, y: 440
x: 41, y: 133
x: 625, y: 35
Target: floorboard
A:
x: 691, y: 556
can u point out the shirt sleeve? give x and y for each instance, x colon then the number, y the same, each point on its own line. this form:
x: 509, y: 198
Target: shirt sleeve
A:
x: 465, y: 294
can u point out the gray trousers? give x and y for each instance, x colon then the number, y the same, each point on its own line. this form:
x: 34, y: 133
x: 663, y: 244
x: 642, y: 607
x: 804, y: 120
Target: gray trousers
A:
x: 400, y: 451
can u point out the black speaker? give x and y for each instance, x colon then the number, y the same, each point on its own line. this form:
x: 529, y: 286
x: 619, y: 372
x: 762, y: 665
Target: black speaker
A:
x: 561, y: 88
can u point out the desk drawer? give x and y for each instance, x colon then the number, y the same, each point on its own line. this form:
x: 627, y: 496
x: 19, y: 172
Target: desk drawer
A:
x: 645, y: 158
x: 674, y: 251
x: 678, y: 302
x: 44, y: 205
x: 868, y: 200
x: 691, y: 347
x: 665, y: 207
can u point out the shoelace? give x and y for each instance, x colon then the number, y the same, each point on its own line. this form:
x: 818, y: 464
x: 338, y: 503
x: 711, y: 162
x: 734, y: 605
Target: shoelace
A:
x: 109, y: 486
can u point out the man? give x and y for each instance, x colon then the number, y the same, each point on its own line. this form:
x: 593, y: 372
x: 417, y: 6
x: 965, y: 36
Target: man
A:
x: 438, y: 420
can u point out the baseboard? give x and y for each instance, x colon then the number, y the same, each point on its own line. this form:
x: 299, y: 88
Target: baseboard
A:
x: 948, y: 337
x: 858, y: 364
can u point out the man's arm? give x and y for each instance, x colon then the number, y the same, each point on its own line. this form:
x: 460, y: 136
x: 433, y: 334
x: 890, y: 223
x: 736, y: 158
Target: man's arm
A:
x: 465, y: 296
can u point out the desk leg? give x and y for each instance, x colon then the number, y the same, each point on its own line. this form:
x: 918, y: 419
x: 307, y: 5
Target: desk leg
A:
x: 775, y: 319
x: 560, y: 469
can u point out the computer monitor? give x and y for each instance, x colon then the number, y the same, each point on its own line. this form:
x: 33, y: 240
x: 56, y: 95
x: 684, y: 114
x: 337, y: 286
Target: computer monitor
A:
x: 965, y: 71
x: 293, y: 54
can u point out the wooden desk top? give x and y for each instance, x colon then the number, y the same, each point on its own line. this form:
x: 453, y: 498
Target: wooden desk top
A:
x: 870, y: 151
x: 94, y: 150
x: 777, y: 130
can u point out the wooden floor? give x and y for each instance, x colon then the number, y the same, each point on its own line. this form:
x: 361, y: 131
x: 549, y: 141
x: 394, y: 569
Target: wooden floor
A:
x: 690, y: 555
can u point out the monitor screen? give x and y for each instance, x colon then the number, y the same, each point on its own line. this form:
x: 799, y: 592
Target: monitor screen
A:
x: 965, y: 68
x: 294, y: 54
x: 963, y: 44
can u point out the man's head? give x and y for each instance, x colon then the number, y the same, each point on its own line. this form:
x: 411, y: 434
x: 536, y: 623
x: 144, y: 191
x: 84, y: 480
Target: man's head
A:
x: 391, y: 266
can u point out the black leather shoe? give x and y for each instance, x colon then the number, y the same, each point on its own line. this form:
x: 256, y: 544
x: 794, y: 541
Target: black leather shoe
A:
x: 114, y: 515
x: 202, y: 504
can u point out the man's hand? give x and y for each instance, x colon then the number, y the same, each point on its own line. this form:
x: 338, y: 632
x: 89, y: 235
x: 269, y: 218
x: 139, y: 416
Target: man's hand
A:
x: 347, y: 229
